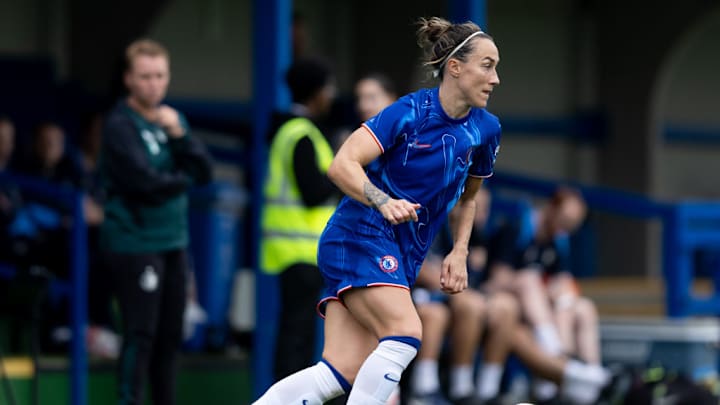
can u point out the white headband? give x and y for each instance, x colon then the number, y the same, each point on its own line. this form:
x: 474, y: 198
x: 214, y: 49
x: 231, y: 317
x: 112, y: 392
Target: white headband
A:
x: 436, y: 72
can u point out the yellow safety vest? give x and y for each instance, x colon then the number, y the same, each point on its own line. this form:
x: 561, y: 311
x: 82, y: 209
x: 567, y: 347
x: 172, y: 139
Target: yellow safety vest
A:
x: 290, y: 230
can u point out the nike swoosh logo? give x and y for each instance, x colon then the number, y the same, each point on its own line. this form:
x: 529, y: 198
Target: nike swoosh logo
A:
x: 389, y: 377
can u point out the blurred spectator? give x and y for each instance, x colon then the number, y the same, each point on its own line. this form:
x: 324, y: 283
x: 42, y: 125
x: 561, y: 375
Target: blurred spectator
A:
x: 299, y: 199
x: 19, y: 297
x: 89, y: 147
x: 492, y: 319
x: 374, y: 92
x: 42, y: 226
x: 9, y: 196
x: 531, y: 258
x: 149, y: 160
x: 470, y: 316
x: 49, y: 159
x: 7, y: 141
x: 299, y: 36
x: 101, y: 338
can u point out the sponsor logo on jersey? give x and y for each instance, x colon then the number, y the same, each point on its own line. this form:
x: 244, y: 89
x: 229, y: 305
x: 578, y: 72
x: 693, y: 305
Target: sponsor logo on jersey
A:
x: 417, y: 145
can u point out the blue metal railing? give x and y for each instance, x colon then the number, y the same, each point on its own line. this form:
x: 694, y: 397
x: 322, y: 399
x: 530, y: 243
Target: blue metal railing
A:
x: 687, y: 227
x: 73, y: 200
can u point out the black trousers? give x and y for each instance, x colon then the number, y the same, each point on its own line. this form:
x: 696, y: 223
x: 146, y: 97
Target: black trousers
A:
x: 300, y: 287
x: 151, y: 291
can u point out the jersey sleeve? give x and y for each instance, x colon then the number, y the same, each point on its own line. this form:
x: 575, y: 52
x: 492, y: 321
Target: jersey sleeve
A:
x: 483, y: 160
x: 392, y: 122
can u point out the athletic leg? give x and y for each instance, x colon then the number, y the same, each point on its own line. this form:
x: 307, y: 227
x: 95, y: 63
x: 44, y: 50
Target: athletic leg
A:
x: 389, y: 314
x: 347, y: 345
x: 536, y: 308
x: 169, y: 335
x: 300, y: 287
x: 581, y: 383
x: 532, y: 355
x: 138, y: 290
x: 435, y: 317
x: 468, y: 309
x: 502, y: 318
x: 563, y: 294
x: 586, y: 331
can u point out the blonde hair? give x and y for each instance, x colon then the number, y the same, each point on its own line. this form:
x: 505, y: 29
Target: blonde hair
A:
x: 144, y: 47
x: 439, y: 37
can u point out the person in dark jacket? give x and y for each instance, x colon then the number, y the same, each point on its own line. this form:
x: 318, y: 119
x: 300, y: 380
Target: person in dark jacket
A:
x: 299, y: 199
x: 9, y: 195
x: 148, y: 162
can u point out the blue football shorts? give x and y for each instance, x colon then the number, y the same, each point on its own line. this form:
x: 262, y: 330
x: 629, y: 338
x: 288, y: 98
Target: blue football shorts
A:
x: 357, y: 258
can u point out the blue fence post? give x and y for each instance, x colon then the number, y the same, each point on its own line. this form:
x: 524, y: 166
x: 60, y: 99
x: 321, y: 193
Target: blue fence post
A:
x: 675, y: 266
x: 79, y: 266
x: 271, y: 41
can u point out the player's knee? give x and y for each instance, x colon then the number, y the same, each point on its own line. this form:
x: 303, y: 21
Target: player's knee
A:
x: 586, y: 310
x: 503, y: 307
x: 468, y: 305
x: 436, y: 315
x: 527, y: 281
x: 408, y: 324
x: 411, y: 329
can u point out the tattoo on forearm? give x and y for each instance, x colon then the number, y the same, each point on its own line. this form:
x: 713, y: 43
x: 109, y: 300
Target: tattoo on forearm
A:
x: 376, y: 196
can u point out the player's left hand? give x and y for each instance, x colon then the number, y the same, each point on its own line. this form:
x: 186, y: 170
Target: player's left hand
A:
x: 453, y: 278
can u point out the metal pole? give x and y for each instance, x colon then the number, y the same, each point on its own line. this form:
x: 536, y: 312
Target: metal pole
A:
x: 79, y: 266
x: 271, y: 54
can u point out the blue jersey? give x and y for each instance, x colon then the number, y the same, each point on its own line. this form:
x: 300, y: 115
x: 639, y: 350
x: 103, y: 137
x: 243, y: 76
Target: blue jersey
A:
x: 426, y: 158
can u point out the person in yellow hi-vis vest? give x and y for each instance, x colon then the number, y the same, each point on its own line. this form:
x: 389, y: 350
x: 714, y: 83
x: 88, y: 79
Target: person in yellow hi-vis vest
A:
x: 299, y: 199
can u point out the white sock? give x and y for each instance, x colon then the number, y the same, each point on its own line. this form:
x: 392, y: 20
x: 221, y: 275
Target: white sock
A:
x: 548, y: 338
x: 381, y: 371
x: 461, y: 381
x: 488, y: 381
x: 315, y: 385
x: 425, y: 378
x: 395, y: 397
x: 582, y: 383
x: 544, y: 390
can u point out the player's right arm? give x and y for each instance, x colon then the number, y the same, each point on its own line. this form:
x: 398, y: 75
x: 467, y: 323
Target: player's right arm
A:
x: 348, y: 173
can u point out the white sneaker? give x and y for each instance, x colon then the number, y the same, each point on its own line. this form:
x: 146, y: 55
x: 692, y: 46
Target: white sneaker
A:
x: 583, y: 383
x: 103, y: 343
x: 194, y: 315
x: 544, y: 390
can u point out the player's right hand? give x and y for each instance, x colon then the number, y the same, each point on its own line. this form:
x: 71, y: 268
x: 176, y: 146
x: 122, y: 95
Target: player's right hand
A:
x: 399, y: 211
x: 453, y: 277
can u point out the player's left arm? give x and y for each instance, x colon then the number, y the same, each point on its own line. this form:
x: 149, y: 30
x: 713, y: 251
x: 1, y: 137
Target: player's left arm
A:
x: 454, y: 272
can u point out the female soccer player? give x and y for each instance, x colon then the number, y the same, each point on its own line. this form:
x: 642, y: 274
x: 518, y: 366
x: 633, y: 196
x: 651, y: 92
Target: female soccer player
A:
x: 402, y: 172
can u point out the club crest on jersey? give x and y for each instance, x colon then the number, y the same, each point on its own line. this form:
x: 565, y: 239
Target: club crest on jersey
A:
x: 388, y: 263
